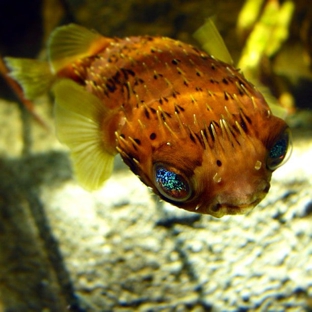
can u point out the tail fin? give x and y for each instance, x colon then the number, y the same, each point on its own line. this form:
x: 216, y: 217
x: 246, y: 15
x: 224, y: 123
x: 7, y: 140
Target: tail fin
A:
x: 78, y: 114
x: 34, y: 76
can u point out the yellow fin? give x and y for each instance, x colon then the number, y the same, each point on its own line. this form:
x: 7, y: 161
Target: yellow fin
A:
x: 77, y: 117
x: 210, y: 39
x: 34, y: 76
x: 71, y: 42
x: 275, y: 107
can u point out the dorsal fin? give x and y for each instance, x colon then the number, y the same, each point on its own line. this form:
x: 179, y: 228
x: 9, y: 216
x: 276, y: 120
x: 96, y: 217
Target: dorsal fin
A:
x: 71, y: 42
x: 210, y: 39
x: 78, y: 114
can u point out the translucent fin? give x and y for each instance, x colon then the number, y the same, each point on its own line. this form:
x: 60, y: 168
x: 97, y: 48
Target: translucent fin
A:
x: 210, y: 39
x: 71, y: 42
x: 77, y: 116
x: 275, y: 107
x: 34, y: 76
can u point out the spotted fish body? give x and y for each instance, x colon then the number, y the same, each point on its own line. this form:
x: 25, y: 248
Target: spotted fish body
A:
x: 190, y: 126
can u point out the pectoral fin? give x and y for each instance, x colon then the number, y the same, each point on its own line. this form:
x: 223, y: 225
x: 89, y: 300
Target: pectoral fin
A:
x: 78, y: 114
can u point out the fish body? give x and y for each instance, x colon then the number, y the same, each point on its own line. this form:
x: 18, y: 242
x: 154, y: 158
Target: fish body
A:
x: 189, y: 125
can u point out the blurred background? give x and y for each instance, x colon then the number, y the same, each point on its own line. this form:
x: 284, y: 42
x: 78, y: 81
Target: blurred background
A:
x: 279, y: 32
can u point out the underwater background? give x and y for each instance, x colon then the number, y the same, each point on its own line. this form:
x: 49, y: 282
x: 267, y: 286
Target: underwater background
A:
x: 119, y: 248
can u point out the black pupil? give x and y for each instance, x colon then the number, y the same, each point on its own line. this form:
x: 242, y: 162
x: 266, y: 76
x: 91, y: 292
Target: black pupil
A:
x: 279, y: 149
x: 278, y: 152
x: 171, y: 183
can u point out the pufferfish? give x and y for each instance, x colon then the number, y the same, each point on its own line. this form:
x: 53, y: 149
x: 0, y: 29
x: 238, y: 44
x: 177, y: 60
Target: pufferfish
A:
x: 188, y: 124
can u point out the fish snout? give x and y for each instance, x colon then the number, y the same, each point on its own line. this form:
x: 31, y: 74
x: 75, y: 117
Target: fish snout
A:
x: 239, y: 200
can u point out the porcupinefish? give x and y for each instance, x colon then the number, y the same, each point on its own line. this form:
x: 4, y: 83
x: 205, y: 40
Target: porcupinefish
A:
x: 188, y: 124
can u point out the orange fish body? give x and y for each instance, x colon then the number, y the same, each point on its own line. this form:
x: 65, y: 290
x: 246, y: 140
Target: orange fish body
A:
x: 190, y: 126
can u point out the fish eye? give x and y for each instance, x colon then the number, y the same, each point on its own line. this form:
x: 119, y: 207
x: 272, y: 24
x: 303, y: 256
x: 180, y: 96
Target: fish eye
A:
x: 280, y: 151
x: 171, y: 184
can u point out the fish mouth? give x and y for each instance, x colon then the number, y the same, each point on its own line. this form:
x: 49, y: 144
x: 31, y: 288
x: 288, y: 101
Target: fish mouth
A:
x: 219, y: 210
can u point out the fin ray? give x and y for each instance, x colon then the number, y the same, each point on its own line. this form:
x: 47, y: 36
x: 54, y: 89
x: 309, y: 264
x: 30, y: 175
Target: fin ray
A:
x: 210, y: 39
x: 77, y: 116
x: 34, y: 76
x: 71, y: 42
x: 272, y: 101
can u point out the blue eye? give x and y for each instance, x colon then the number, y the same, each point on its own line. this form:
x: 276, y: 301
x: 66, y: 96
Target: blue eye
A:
x: 171, y: 184
x: 280, y: 151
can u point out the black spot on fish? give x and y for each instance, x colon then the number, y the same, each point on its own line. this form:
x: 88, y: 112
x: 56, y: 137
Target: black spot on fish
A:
x: 219, y: 163
x: 178, y: 109
x: 111, y: 85
x: 243, y: 125
x: 138, y: 81
x: 167, y: 114
x: 131, y: 72
x: 146, y: 113
x: 116, y: 77
x: 153, y: 110
x: 153, y: 136
x: 137, y: 141
x: 215, y: 123
x: 175, y: 62
x: 112, y: 59
x: 248, y: 119
x: 225, y: 81
x: 192, y: 138
x: 126, y: 72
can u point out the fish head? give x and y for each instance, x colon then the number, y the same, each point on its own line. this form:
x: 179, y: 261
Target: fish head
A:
x: 230, y: 178
x: 221, y: 171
